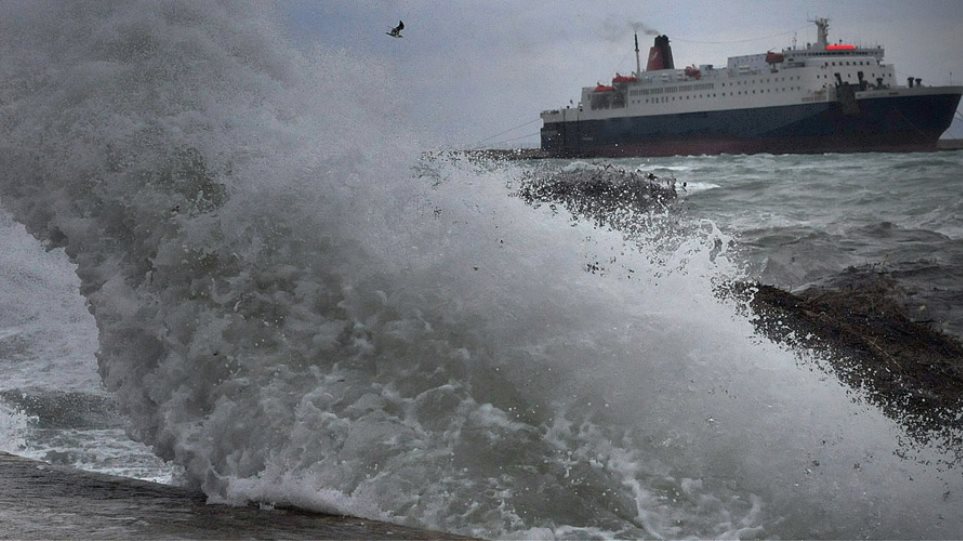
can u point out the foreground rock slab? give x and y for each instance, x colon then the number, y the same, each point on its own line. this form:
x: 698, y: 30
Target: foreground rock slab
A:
x: 41, y: 501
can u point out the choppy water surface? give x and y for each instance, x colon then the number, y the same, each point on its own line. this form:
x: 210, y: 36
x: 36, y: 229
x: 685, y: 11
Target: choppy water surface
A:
x: 292, y: 304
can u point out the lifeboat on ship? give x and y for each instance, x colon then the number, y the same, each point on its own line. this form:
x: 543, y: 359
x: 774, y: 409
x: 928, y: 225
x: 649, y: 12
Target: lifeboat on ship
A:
x: 840, y: 47
x: 774, y: 58
x: 693, y: 72
x: 603, y: 88
x: 621, y: 79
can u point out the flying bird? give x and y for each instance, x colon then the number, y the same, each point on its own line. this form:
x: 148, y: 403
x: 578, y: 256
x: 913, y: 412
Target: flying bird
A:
x: 396, y: 31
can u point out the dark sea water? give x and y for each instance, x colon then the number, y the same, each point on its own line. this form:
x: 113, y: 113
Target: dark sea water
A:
x: 211, y: 277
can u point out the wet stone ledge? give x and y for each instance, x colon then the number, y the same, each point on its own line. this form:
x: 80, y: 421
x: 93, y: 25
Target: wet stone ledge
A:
x: 42, y: 501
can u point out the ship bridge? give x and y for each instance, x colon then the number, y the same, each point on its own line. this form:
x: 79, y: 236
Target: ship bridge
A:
x: 822, y: 48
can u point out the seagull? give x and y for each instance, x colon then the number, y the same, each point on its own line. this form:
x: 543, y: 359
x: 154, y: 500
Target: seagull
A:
x: 396, y: 31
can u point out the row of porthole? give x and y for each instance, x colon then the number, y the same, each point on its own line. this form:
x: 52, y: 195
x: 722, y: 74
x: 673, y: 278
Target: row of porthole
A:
x: 850, y: 76
x: 740, y: 93
x: 860, y: 63
x: 777, y: 79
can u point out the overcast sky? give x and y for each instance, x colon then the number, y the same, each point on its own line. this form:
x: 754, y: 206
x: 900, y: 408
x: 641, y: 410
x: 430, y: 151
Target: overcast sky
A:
x: 469, y: 70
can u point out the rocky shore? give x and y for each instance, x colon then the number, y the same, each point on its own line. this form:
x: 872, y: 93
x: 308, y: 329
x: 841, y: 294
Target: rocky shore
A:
x: 861, y: 326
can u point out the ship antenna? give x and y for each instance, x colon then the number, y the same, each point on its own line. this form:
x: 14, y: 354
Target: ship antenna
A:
x: 638, y: 66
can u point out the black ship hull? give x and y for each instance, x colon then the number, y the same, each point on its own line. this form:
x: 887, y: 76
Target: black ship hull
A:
x: 890, y: 123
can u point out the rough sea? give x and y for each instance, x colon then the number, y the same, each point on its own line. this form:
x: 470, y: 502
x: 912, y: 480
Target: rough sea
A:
x: 211, y: 277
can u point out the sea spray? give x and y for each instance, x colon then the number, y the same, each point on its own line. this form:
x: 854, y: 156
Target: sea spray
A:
x: 292, y: 312
x: 14, y: 425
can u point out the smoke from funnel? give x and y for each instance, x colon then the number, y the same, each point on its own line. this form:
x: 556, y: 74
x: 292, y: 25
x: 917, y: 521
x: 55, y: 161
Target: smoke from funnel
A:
x: 642, y: 27
x: 613, y: 29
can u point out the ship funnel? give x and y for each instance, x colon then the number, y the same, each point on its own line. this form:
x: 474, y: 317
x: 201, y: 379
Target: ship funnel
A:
x: 660, y: 55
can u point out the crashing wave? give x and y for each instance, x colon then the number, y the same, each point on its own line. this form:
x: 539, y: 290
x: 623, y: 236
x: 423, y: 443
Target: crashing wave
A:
x: 291, y: 315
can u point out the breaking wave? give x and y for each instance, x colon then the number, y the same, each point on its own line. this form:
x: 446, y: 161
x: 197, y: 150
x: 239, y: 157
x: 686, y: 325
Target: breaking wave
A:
x: 297, y: 307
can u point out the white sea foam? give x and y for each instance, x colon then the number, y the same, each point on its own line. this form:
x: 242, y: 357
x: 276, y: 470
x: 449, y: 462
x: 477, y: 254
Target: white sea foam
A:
x: 47, y: 337
x: 47, y: 345
x: 696, y: 187
x: 291, y: 313
x: 14, y: 426
x: 579, y: 165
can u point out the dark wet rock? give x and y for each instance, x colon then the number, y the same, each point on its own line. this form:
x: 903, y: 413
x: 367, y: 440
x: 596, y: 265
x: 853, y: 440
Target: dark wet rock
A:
x: 911, y: 370
x: 508, y: 154
x: 605, y: 195
x: 41, y: 501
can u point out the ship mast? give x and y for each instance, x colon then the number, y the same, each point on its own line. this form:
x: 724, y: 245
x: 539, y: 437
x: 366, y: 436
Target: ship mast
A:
x: 638, y: 66
x: 822, y: 31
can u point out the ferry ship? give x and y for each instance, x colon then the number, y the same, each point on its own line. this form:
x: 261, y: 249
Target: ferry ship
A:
x: 826, y: 97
